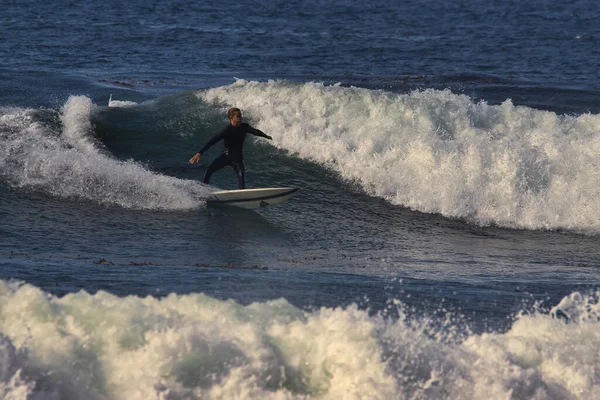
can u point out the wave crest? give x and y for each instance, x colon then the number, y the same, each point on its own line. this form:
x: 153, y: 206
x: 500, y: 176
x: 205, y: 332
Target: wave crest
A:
x: 438, y: 152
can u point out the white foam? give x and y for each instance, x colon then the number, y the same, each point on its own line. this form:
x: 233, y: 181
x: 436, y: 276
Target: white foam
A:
x: 70, y: 163
x: 438, y: 152
x: 77, y: 125
x: 196, y: 347
x: 121, y: 103
x: 12, y: 385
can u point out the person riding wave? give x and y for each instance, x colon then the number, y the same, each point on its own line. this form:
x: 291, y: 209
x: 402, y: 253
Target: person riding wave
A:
x: 233, y: 136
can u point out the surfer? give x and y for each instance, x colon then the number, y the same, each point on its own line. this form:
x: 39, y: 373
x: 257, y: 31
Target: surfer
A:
x: 233, y: 136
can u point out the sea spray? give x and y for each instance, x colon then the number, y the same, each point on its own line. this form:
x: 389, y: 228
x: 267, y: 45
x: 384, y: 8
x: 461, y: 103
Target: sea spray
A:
x: 436, y: 151
x: 77, y: 129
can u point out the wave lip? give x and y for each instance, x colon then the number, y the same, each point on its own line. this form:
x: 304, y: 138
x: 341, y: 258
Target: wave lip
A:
x: 436, y: 151
x: 63, y: 159
x: 194, y: 346
x: 120, y: 103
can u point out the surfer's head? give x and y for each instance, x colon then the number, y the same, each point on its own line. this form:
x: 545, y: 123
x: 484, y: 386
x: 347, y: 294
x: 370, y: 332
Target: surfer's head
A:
x: 235, y: 116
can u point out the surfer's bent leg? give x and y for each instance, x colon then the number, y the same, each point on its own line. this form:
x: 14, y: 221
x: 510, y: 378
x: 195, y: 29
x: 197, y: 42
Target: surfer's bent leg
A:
x: 217, y: 164
x: 240, y: 170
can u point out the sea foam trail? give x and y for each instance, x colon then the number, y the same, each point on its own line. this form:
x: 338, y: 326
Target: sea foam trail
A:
x: 65, y: 160
x: 438, y: 152
x: 196, y: 347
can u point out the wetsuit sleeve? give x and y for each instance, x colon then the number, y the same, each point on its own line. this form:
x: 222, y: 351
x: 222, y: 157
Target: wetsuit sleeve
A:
x: 256, y: 132
x: 215, y: 139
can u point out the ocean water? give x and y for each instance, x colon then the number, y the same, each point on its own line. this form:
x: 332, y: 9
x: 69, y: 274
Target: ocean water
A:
x: 443, y: 244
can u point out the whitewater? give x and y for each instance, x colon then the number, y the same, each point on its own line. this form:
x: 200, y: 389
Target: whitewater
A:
x: 437, y: 152
x: 197, y: 347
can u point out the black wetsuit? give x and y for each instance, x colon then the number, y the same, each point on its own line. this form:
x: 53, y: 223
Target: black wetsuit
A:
x: 233, y: 139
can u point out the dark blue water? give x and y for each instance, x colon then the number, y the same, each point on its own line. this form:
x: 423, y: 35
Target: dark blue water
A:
x: 446, y: 160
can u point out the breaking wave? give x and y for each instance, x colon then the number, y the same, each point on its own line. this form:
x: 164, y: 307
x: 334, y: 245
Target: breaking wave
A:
x: 436, y: 151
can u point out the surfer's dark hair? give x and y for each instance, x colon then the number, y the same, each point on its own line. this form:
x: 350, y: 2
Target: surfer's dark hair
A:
x: 232, y: 111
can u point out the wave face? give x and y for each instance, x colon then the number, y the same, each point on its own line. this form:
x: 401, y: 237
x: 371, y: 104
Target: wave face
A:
x: 57, y: 154
x: 436, y: 151
x: 196, y: 347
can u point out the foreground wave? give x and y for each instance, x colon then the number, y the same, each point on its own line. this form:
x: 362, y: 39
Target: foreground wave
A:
x: 193, y: 346
x: 438, y: 152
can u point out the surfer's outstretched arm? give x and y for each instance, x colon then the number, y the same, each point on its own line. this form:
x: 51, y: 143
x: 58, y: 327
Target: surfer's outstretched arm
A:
x: 215, y: 139
x: 258, y: 132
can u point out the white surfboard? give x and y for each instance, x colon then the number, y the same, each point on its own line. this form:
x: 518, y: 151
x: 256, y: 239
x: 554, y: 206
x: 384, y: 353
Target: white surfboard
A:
x: 251, y: 198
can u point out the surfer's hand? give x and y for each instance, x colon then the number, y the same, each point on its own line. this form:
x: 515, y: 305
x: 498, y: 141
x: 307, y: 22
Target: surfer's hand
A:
x: 269, y: 137
x: 195, y: 159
